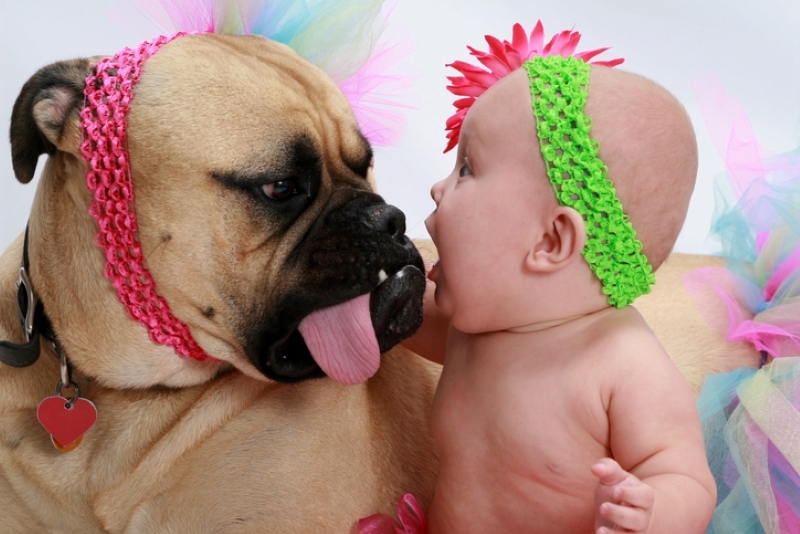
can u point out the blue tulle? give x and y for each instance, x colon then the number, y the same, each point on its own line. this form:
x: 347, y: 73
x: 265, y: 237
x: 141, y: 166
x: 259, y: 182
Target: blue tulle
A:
x: 338, y: 36
x: 750, y: 417
x: 735, y: 512
x: 344, y: 38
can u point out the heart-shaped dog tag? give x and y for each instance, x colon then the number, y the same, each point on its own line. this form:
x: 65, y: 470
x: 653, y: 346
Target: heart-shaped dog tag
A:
x: 66, y: 421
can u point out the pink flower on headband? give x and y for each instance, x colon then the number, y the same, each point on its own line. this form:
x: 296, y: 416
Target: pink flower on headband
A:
x: 502, y: 59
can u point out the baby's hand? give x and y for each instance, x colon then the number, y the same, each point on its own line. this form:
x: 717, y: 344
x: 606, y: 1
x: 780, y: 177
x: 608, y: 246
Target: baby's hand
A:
x: 623, y: 502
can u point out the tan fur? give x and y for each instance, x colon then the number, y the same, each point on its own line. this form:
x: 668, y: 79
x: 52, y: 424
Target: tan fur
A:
x: 695, y: 347
x: 181, y: 446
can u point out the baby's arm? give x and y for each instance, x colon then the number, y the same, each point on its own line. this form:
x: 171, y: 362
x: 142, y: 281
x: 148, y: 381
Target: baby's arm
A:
x: 655, y: 436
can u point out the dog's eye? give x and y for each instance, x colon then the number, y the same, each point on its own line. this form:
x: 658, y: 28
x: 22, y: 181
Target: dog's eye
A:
x: 280, y: 190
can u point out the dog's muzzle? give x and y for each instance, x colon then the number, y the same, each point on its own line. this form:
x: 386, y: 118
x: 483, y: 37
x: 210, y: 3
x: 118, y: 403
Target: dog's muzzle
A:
x: 396, y: 314
x: 356, y: 312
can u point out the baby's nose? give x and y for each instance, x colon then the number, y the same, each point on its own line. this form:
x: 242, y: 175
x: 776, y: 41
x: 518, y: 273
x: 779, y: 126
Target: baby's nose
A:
x: 436, y: 191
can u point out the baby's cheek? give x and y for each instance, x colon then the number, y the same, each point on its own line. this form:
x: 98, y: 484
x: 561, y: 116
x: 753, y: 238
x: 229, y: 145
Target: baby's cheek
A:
x: 442, y: 301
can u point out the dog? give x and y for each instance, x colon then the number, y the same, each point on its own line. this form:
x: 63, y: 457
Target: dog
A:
x: 255, y: 207
x: 256, y: 439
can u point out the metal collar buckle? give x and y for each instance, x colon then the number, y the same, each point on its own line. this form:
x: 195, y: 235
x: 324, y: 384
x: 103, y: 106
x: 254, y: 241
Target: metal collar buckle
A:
x: 23, y: 354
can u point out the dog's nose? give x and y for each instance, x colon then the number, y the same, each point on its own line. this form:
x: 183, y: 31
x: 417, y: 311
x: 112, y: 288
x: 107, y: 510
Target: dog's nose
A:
x: 389, y: 220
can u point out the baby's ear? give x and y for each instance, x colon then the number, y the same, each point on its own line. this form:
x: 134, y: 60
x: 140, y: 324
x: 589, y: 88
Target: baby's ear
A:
x: 561, y: 242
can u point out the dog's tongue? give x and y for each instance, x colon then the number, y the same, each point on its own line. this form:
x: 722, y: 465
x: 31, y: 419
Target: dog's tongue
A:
x: 342, y: 340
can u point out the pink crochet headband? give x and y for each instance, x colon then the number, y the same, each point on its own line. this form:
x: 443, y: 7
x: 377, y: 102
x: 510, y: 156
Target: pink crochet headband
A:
x: 108, y: 95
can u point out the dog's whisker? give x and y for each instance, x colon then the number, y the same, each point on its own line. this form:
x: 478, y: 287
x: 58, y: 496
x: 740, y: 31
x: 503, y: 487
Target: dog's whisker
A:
x: 415, y: 225
x: 164, y: 240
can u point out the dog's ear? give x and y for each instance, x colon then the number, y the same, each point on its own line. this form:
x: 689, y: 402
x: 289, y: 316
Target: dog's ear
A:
x: 46, y: 115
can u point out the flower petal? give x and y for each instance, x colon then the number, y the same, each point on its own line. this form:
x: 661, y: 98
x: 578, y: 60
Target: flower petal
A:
x: 456, y: 119
x: 504, y: 57
x: 513, y: 58
x: 482, y: 78
x: 495, y: 64
x: 452, y: 139
x: 466, y: 90
x: 571, y: 45
x: 519, y: 39
x: 457, y: 81
x: 610, y: 62
x: 496, y: 46
x: 463, y: 103
x: 475, y: 75
x: 464, y: 67
x: 560, y: 43
x: 537, y: 39
x: 589, y: 54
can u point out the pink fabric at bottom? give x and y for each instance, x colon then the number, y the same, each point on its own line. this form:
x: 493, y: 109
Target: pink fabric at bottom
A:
x: 410, y: 513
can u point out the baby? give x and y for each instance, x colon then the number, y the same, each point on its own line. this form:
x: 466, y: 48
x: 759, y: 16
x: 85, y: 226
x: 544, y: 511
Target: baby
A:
x: 558, y: 410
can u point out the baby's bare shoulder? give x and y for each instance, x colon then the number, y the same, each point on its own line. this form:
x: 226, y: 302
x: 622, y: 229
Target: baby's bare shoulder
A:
x: 626, y: 335
x: 651, y: 408
x: 626, y: 356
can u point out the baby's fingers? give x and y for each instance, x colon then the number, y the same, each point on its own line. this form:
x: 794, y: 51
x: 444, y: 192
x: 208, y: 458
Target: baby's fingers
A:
x: 609, y: 472
x: 638, y: 495
x: 625, y: 518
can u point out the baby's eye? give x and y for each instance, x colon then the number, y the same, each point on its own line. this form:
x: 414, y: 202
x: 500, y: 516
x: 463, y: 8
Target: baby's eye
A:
x: 464, y: 170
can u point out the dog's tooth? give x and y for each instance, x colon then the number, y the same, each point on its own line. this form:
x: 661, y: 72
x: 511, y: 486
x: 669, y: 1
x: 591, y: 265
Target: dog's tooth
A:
x: 382, y: 275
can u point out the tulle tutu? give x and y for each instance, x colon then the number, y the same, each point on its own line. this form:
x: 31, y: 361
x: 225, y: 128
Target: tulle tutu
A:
x: 751, y: 425
x: 345, y: 38
x: 751, y: 417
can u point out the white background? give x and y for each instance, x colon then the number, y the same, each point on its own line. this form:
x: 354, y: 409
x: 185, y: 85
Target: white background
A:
x: 752, y: 46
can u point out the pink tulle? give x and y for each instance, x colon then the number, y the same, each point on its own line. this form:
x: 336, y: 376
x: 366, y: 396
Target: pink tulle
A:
x: 378, y: 95
x: 320, y: 31
x: 776, y: 330
x: 732, y: 133
x: 190, y: 16
x: 760, y: 232
x: 409, y: 512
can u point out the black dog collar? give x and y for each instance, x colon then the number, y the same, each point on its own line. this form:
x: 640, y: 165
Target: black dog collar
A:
x: 32, y: 318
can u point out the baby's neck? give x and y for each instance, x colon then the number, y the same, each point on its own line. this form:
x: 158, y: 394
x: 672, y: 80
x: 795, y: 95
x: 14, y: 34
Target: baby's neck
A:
x: 544, y: 325
x: 559, y: 323
x: 539, y: 341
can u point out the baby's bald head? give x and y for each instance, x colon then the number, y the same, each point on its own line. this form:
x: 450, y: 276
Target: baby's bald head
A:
x: 648, y: 144
x: 646, y: 141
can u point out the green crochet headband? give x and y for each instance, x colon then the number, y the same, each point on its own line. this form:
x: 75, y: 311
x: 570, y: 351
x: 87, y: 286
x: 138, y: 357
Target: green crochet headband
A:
x: 559, y: 88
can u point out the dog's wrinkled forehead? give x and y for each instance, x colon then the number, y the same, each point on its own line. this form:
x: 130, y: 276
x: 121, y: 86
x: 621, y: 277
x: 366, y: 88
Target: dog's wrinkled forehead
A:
x: 246, y: 103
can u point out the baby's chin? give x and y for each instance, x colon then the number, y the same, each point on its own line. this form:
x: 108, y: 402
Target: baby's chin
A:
x: 433, y: 272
